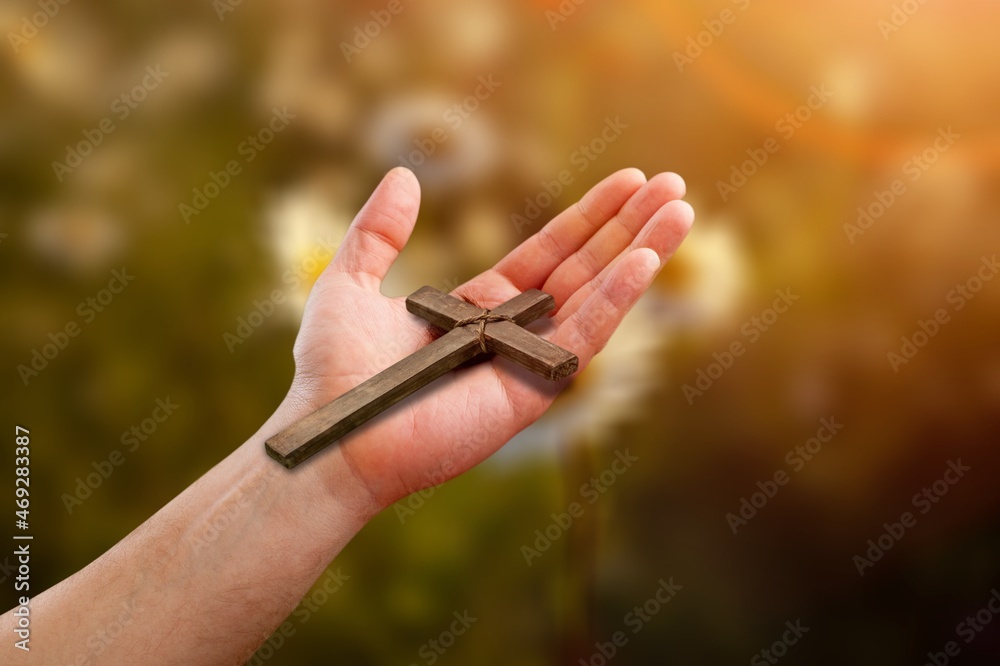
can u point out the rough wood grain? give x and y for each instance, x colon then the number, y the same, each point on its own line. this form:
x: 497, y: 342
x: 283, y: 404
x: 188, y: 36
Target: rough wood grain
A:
x: 505, y: 338
x: 444, y: 310
x: 371, y: 397
x: 456, y: 347
x: 439, y: 308
x: 526, y: 307
x: 527, y: 349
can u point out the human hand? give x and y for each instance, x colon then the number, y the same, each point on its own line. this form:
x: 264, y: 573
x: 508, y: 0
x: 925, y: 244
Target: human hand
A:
x: 244, y: 543
x: 596, y: 259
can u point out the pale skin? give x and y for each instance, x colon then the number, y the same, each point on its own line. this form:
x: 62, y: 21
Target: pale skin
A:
x: 212, y: 574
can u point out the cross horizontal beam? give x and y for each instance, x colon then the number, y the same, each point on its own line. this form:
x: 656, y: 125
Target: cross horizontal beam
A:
x: 505, y: 338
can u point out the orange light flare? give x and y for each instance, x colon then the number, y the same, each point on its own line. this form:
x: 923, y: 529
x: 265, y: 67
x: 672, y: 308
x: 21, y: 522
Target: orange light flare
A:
x: 762, y: 100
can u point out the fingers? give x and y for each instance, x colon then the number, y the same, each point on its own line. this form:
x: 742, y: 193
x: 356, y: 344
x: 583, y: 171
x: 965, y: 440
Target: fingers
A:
x: 530, y: 264
x: 663, y: 234
x: 614, y: 237
x: 589, y: 328
x: 380, y: 230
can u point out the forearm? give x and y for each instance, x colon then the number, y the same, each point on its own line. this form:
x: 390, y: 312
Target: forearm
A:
x: 213, y: 573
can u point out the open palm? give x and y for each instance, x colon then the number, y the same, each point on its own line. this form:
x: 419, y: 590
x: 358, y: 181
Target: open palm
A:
x: 596, y: 258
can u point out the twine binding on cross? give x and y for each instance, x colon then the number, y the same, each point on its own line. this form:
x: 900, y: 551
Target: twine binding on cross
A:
x: 486, y: 317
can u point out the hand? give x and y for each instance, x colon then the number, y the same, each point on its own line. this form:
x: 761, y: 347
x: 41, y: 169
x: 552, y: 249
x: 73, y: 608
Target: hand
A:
x: 234, y: 553
x: 596, y: 258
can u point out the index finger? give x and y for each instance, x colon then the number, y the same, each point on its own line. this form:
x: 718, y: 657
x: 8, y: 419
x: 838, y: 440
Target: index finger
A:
x: 533, y: 261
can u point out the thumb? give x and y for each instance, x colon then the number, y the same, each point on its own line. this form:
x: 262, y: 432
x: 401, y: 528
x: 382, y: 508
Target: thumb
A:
x: 380, y: 230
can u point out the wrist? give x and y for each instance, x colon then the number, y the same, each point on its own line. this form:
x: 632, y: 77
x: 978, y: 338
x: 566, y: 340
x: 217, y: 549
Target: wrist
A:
x: 324, y: 491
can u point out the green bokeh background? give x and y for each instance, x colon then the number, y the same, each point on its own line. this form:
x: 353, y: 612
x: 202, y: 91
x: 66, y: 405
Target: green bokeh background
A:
x: 461, y: 548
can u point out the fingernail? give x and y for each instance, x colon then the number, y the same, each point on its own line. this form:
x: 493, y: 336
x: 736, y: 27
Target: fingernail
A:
x: 650, y: 260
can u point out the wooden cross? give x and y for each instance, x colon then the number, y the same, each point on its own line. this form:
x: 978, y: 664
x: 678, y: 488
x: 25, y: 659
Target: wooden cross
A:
x: 472, y: 334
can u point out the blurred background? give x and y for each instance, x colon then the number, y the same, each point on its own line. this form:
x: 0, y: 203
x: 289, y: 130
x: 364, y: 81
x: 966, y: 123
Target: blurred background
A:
x: 843, y: 154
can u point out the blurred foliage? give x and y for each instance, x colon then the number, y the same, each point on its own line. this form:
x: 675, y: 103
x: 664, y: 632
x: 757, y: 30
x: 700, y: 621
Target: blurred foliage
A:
x: 785, y: 228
